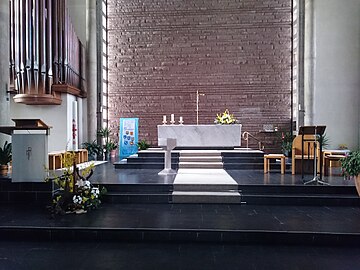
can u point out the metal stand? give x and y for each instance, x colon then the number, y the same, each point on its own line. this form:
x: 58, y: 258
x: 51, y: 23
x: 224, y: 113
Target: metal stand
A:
x: 317, y: 131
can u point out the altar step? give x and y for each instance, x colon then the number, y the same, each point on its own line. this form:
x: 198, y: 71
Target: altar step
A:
x: 204, y: 185
x: 204, y: 159
x: 200, y: 159
x: 147, y: 159
x: 237, y: 159
x: 229, y: 197
x: 144, y: 223
x: 40, y: 193
x: 248, y: 194
x: 200, y: 165
x: 200, y: 153
x: 299, y: 195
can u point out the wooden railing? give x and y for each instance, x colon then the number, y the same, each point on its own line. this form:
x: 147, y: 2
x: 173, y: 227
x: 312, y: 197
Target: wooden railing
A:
x: 46, y: 56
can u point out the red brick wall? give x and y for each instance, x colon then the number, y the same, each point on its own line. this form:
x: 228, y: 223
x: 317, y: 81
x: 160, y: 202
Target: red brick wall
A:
x: 236, y: 52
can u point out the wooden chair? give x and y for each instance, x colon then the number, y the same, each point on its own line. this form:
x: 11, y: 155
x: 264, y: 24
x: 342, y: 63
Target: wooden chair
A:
x: 308, y: 149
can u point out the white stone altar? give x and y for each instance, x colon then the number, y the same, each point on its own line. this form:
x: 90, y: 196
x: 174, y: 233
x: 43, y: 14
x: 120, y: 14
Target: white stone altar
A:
x: 202, y: 135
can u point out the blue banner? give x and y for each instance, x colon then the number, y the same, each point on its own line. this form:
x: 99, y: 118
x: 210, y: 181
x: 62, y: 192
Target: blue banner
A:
x: 128, y: 137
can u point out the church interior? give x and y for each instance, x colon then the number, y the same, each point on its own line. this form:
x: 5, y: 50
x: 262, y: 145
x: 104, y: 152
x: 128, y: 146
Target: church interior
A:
x: 185, y: 134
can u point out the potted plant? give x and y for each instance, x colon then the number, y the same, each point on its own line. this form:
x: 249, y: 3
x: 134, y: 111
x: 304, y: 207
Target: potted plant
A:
x: 350, y: 165
x: 143, y: 145
x: 94, y: 150
x: 110, y: 148
x: 5, y: 157
x: 286, y: 143
x: 107, y: 144
x: 325, y: 141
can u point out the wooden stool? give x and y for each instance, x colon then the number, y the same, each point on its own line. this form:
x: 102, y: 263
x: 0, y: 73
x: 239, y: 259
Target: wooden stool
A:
x: 328, y: 159
x: 274, y: 156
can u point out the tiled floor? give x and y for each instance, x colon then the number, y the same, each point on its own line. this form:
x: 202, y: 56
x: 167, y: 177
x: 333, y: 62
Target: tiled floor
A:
x: 107, y: 174
x: 215, y: 217
x: 119, y: 254
x: 179, y: 256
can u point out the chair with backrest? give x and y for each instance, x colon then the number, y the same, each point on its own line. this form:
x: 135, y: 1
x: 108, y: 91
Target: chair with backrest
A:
x: 308, y: 151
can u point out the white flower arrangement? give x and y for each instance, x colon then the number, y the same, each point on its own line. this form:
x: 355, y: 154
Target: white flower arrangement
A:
x: 77, y: 199
x: 225, y: 118
x: 95, y: 192
x: 87, y: 184
x: 74, y: 192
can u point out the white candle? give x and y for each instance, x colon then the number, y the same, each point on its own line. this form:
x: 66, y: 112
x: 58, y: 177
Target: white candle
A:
x: 172, y: 117
x: 164, y: 118
x: 181, y: 119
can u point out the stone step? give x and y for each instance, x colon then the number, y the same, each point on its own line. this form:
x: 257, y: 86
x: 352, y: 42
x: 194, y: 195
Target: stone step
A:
x: 206, y: 187
x: 199, y: 153
x: 200, y: 165
x: 248, y: 166
x: 136, y: 165
x: 206, y: 197
x: 245, y: 160
x: 301, y: 199
x: 200, y: 159
x: 151, y: 160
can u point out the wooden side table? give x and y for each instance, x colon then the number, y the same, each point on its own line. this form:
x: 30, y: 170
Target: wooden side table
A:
x: 274, y: 156
x: 328, y: 159
x: 334, y: 163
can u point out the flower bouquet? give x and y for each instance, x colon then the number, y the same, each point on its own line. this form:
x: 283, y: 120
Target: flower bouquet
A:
x: 73, y: 192
x: 225, y: 118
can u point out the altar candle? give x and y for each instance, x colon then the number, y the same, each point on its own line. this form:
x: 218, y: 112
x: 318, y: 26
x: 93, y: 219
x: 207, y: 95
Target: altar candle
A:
x: 172, y: 117
x: 181, y: 119
x: 164, y: 118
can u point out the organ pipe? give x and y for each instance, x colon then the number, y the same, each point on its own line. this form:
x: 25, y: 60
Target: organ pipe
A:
x: 44, y: 49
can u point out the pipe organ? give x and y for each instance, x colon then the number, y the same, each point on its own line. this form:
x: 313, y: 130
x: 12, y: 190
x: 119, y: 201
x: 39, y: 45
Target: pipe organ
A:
x: 46, y: 56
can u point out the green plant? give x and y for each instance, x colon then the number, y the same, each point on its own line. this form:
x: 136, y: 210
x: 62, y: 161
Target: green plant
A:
x: 286, y: 141
x: 350, y: 164
x: 73, y: 191
x: 325, y: 141
x: 5, y: 154
x: 107, y: 144
x: 225, y: 118
x: 143, y: 145
x: 110, y: 145
x: 93, y: 149
x: 104, y: 133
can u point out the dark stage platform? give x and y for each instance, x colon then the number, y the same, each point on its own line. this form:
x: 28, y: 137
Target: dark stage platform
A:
x: 146, y: 186
x: 137, y: 227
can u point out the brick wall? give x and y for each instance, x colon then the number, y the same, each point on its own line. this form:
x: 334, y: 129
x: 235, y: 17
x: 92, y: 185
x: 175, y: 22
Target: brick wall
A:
x: 236, y: 52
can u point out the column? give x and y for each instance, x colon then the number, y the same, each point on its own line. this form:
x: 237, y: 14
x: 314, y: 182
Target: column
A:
x: 91, y: 70
x: 309, y: 63
x: 4, y: 68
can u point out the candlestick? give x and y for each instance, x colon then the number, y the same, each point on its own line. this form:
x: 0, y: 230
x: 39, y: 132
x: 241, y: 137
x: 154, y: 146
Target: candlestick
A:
x: 172, y: 119
x: 164, y: 120
x: 181, y: 120
x: 197, y: 105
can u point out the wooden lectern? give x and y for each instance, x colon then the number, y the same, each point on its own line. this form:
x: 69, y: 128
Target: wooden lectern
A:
x: 25, y: 124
